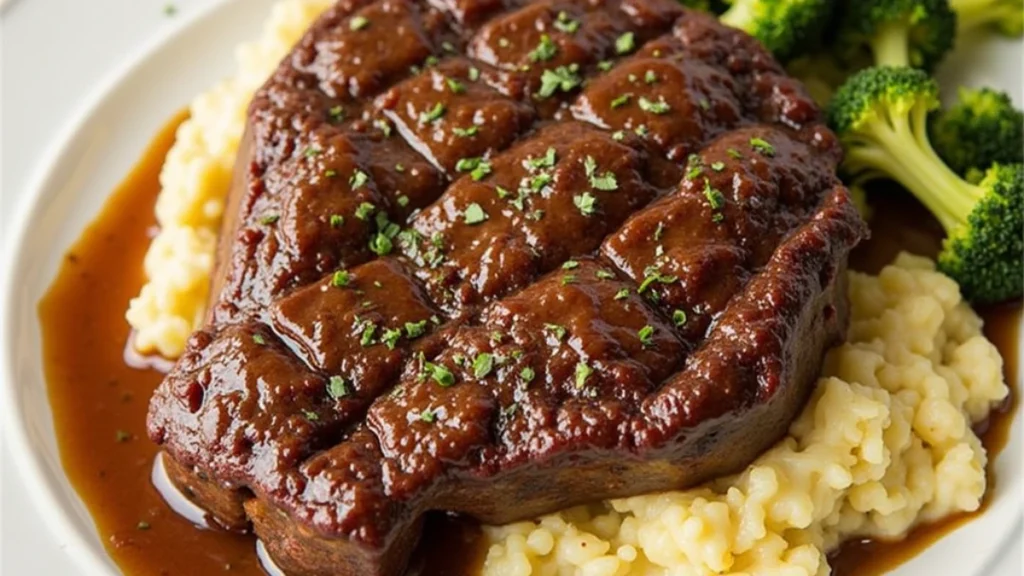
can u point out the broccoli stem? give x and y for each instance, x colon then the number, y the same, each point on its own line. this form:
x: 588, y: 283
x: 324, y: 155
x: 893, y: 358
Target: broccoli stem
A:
x: 898, y: 145
x: 891, y: 45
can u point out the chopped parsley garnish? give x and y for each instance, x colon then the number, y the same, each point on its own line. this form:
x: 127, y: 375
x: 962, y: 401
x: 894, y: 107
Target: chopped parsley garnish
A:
x: 455, y: 86
x: 538, y: 182
x: 652, y: 276
x: 329, y: 173
x: 527, y: 374
x: 336, y: 113
x: 622, y: 294
x: 269, y: 219
x: 715, y: 198
x: 310, y: 415
x: 678, y: 317
x: 606, y: 182
x: 482, y: 365
x: 605, y: 65
x: 259, y: 339
x: 341, y: 278
x: 399, y: 168
x: 646, y: 336
x: 365, y: 210
x: 142, y: 525
x: 625, y: 44
x: 704, y: 104
x: 570, y: 265
x: 583, y: 371
x: 466, y: 132
x: 621, y: 100
x: 503, y: 42
x: 568, y: 279
x: 546, y: 161
x: 604, y: 274
x: 586, y: 203
x: 718, y: 166
x: 502, y: 192
x: 650, y: 77
x: 358, y: 23
x: 641, y: 130
x: 403, y: 200
x: 546, y: 50
x: 358, y: 179
x: 734, y: 153
x: 447, y: 46
x: 618, y: 135
x: 390, y: 337
x: 563, y: 78
x: 659, y: 231
x: 311, y: 151
x: 659, y: 107
x: 336, y: 387
x: 433, y: 114
x: 440, y: 374
x: 477, y: 167
x: 366, y: 336
x: 474, y: 214
x: 474, y: 74
x: 762, y: 146
x: 415, y: 329
x: 428, y: 416
x: 556, y: 330
x: 566, y: 24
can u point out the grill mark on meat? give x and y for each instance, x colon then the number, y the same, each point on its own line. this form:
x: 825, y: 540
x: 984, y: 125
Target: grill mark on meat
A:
x: 755, y: 240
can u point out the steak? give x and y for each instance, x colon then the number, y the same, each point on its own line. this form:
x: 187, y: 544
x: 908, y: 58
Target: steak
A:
x: 499, y: 259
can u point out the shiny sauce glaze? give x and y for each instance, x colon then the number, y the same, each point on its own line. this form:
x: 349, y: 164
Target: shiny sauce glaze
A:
x: 99, y: 396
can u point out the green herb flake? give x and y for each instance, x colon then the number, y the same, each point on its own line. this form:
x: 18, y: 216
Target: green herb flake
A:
x: 336, y: 113
x: 678, y: 317
x: 336, y: 387
x: 715, y: 198
x: 438, y: 373
x: 618, y: 135
x: 563, y: 78
x: 557, y: 331
x: 659, y: 231
x: 544, y: 51
x: 622, y: 294
x: 565, y: 24
x: 358, y: 179
x: 659, y: 107
x: 718, y: 166
x: 646, y: 336
x: 428, y: 416
x: 466, y: 132
x: 366, y: 335
x: 474, y: 74
x: 502, y: 192
x: 415, y: 329
x: 269, y: 219
x: 583, y: 372
x: 568, y: 279
x: 538, y: 182
x: 310, y: 415
x: 365, y: 210
x: 403, y: 200
x: 586, y: 203
x: 641, y: 130
x: 546, y: 161
x: 455, y: 86
x: 625, y: 44
x: 762, y: 146
x: 390, y: 337
x: 358, y: 23
x: 734, y: 153
x: 527, y: 375
x: 651, y: 276
x: 433, y: 114
x: 474, y: 214
x: 478, y: 168
x: 605, y: 65
x: 603, y: 274
x: 482, y: 365
x: 621, y: 101
x: 341, y: 278
x: 143, y: 525
x: 650, y: 77
x: 259, y: 339
x: 570, y: 265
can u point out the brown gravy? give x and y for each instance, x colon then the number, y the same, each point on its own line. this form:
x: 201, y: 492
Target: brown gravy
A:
x: 99, y: 400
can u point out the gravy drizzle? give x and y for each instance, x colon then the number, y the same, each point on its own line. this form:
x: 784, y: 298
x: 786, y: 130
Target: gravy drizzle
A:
x: 100, y: 391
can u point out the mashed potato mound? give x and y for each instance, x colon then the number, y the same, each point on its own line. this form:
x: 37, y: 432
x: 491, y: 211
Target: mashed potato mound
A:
x: 194, y: 184
x: 885, y: 443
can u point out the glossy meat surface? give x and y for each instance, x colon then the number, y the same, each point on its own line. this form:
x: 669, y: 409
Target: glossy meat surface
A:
x: 500, y: 259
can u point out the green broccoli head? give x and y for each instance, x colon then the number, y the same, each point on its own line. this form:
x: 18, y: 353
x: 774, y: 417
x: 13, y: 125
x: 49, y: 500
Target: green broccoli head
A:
x: 983, y: 129
x: 985, y: 253
x: 881, y: 116
x: 916, y: 33
x: 1006, y: 16
x: 783, y: 26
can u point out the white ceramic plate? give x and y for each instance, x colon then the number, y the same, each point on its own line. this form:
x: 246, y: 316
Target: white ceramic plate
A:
x: 98, y: 148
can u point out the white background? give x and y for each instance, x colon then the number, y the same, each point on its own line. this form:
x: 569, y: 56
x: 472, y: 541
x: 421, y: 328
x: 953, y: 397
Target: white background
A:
x: 80, y: 41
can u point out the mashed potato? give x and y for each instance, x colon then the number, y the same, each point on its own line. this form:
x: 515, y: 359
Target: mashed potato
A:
x: 885, y: 443
x: 890, y: 417
x: 194, y: 183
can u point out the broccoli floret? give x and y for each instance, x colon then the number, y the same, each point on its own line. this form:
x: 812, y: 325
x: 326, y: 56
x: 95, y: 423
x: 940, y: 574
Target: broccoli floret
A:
x: 881, y: 116
x: 915, y: 33
x: 785, y: 27
x: 1006, y: 16
x: 981, y: 130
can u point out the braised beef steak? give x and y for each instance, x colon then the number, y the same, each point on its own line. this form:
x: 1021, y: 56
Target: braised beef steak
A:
x: 502, y: 258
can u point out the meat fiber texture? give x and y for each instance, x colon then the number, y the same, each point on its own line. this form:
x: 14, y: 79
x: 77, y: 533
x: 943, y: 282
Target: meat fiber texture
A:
x: 500, y: 260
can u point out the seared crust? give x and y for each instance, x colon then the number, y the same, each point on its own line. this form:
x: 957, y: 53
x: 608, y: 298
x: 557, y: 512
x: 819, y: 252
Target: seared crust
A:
x: 337, y: 411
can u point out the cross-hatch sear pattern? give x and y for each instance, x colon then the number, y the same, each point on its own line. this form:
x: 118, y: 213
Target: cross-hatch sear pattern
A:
x: 502, y: 259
